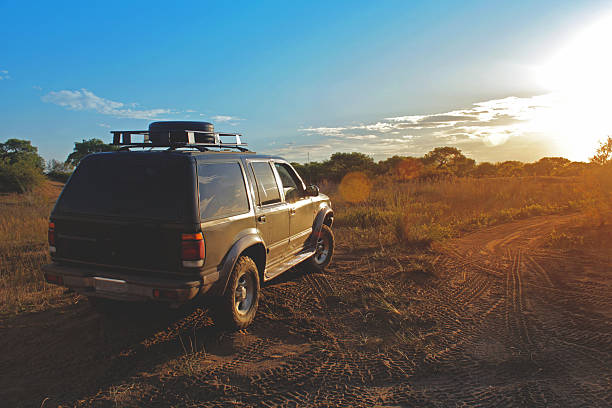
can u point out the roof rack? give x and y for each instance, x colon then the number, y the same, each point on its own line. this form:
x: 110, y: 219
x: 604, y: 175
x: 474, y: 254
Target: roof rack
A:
x: 123, y: 138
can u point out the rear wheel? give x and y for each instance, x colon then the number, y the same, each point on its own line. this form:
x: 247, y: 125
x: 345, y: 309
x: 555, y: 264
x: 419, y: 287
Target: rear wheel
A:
x: 237, y: 307
x: 324, y: 249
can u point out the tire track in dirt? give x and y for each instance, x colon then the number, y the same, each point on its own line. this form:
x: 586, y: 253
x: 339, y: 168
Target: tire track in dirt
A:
x: 499, y: 322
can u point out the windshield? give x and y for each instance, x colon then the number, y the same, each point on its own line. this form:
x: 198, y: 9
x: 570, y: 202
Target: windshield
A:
x: 132, y: 185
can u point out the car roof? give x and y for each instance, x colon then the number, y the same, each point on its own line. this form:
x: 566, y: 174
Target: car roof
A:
x: 198, y: 155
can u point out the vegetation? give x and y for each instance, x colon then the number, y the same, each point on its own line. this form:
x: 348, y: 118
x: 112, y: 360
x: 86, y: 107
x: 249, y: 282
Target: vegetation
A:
x: 603, y: 155
x: 59, y: 171
x: 82, y: 149
x: 20, y: 166
x: 417, y: 213
x: 401, y: 202
x: 24, y: 220
x: 440, y: 163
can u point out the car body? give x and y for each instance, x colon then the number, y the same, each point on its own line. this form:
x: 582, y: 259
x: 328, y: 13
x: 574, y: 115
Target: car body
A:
x: 169, y: 225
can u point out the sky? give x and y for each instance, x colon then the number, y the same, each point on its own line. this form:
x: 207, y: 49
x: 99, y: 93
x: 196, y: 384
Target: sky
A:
x: 516, y: 80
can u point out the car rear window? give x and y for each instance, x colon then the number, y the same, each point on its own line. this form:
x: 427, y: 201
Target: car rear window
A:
x: 130, y: 185
x: 222, y: 190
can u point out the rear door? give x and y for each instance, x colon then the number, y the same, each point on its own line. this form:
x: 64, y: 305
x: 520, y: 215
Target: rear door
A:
x: 301, y: 211
x: 271, y: 213
x: 127, y: 210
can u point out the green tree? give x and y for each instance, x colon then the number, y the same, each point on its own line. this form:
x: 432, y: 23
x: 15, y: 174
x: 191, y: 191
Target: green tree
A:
x: 603, y: 154
x: 20, y: 166
x: 21, y: 151
x: 341, y: 163
x: 82, y: 149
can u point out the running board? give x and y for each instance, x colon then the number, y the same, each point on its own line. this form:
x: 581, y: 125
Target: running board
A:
x: 276, y: 270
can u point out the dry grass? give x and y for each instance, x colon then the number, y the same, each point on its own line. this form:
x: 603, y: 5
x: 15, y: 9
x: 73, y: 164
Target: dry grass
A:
x: 416, y: 214
x: 23, y: 249
x: 383, y: 213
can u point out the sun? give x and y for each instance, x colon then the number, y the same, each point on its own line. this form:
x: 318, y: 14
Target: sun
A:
x: 579, y: 76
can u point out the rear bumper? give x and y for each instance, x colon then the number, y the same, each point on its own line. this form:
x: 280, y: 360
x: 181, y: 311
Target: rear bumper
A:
x: 99, y: 283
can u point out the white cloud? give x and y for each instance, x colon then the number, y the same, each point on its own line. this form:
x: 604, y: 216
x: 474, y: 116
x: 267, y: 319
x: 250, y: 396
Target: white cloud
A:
x: 82, y: 99
x: 4, y: 74
x: 225, y: 118
x: 325, y: 131
x: 485, y: 129
x: 104, y: 125
x: 362, y: 137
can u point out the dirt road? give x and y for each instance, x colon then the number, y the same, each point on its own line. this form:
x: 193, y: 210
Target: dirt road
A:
x: 494, y: 320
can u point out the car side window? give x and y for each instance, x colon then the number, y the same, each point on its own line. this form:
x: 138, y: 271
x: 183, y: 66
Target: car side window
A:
x: 222, y: 190
x: 267, y: 189
x: 291, y: 184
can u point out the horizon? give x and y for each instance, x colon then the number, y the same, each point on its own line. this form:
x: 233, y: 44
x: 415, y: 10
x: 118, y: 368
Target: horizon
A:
x: 523, y: 81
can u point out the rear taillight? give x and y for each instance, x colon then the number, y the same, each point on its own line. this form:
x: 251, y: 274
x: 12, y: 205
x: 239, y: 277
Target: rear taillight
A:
x: 51, y: 237
x: 193, y: 251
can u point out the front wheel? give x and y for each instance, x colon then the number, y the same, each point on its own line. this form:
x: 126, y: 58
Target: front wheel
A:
x: 237, y: 307
x: 324, y: 249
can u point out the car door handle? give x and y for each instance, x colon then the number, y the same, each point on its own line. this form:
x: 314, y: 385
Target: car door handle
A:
x: 261, y: 218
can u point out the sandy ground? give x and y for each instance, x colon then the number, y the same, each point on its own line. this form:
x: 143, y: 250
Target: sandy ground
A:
x: 498, y: 320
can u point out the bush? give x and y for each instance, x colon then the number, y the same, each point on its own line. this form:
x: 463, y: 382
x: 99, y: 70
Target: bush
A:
x: 20, y: 166
x: 61, y: 176
x: 19, y: 177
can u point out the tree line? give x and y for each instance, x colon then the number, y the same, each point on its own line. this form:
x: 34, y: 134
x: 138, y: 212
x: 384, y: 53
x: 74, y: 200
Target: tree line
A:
x: 445, y: 162
x: 22, y: 168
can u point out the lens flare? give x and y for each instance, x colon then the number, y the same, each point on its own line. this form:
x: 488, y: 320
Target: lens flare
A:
x: 355, y: 187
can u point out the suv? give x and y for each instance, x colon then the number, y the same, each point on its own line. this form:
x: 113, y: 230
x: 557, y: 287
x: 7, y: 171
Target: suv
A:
x: 186, y: 216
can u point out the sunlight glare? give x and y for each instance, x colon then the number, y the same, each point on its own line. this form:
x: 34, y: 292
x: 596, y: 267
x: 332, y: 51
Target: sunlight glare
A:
x: 580, y: 78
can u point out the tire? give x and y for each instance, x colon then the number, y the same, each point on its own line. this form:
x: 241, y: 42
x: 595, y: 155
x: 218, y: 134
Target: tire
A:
x: 324, y: 250
x: 164, y: 132
x: 236, y: 308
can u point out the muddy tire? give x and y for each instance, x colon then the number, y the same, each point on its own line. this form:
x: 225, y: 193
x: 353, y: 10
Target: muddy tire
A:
x: 324, y: 250
x: 236, y: 308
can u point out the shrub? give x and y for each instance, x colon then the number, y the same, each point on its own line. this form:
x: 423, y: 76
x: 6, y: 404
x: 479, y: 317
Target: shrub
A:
x: 61, y: 176
x: 19, y: 177
x: 20, y: 166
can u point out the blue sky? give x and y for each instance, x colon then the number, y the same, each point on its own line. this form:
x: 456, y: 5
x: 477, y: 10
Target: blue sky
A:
x: 383, y: 77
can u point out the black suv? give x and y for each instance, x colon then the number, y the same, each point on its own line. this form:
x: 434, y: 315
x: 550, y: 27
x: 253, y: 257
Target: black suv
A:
x: 183, y: 214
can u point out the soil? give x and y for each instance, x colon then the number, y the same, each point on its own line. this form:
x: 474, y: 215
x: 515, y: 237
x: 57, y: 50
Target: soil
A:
x: 491, y: 319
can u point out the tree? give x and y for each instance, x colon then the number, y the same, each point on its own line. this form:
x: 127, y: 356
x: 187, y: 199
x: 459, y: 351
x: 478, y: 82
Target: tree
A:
x: 340, y: 164
x: 448, y: 160
x: 58, y: 171
x: 484, y: 169
x: 547, y: 166
x: 510, y: 168
x: 21, y: 151
x: 58, y: 166
x: 20, y: 166
x: 603, y: 154
x: 82, y: 149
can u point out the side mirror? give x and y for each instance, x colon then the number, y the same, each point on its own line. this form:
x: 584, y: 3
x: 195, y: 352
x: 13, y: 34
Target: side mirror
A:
x: 312, y: 191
